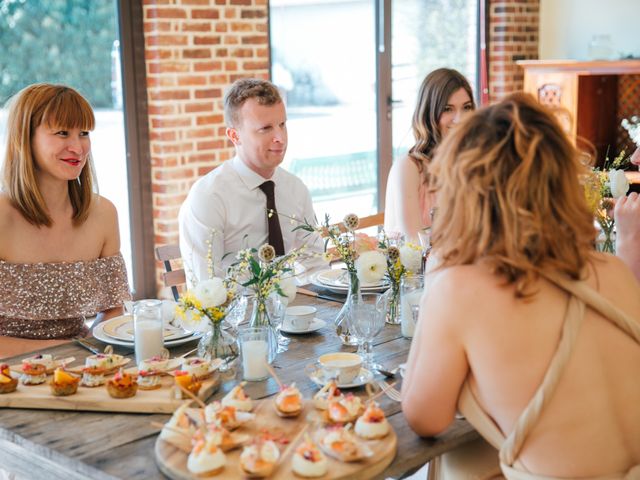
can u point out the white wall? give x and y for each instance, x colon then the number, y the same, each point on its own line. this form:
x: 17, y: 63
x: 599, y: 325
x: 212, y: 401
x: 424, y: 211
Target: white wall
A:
x: 567, y: 27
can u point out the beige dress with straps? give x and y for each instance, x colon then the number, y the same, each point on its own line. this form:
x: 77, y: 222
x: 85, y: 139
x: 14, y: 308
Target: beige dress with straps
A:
x: 511, y: 446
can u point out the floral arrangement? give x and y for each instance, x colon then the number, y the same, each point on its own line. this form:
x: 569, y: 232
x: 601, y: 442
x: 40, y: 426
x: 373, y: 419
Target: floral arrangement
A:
x: 211, y: 300
x: 632, y: 126
x: 602, y: 186
x: 264, y: 273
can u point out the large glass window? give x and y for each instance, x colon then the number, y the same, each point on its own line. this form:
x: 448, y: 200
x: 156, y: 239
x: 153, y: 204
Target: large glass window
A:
x: 324, y: 58
x: 75, y: 43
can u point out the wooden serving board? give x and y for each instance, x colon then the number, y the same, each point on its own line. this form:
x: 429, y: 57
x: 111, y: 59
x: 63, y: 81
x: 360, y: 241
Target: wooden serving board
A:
x: 97, y: 399
x: 173, y: 462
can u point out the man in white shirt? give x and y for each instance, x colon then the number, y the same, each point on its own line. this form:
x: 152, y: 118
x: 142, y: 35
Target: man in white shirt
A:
x: 228, y: 207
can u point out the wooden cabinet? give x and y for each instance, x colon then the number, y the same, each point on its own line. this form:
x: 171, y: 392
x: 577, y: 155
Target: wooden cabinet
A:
x: 583, y: 95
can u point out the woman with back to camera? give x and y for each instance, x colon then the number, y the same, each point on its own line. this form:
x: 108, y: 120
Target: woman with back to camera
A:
x: 523, y: 327
x: 444, y: 98
x: 60, y: 255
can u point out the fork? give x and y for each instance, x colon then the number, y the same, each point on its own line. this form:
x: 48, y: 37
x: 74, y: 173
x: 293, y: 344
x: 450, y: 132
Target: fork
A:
x: 390, y: 391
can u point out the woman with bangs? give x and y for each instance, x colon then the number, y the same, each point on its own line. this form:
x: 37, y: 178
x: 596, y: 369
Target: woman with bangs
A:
x: 444, y: 99
x: 60, y: 256
x: 524, y: 327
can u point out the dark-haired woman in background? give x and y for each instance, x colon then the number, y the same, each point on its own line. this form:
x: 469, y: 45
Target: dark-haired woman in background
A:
x: 444, y: 98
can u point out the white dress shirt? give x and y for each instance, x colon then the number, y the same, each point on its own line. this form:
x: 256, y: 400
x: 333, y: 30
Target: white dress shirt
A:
x: 228, y: 207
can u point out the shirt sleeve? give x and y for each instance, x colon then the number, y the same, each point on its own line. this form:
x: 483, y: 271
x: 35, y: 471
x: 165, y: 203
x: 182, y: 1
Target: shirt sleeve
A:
x: 201, y: 224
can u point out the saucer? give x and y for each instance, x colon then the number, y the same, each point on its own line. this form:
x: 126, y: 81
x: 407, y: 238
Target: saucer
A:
x: 317, y: 377
x: 316, y: 324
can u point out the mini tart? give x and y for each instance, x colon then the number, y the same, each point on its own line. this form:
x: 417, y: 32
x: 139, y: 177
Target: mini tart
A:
x: 225, y: 439
x: 288, y: 402
x: 344, y: 410
x: 180, y: 422
x: 308, y: 460
x: 237, y: 398
x: 259, y: 459
x: 341, y: 444
x: 122, y: 385
x: 196, y: 366
x: 33, y: 373
x: 372, y: 424
x: 148, y: 380
x: 156, y: 363
x: 226, y: 416
x: 8, y: 384
x: 42, y: 359
x: 93, y: 376
x: 329, y: 392
x: 63, y: 384
x: 206, y: 459
x: 108, y: 361
x: 186, y: 381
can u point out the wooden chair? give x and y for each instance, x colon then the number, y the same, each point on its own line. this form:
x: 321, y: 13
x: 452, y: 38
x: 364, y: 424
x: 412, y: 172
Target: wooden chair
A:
x: 376, y: 220
x: 173, y: 276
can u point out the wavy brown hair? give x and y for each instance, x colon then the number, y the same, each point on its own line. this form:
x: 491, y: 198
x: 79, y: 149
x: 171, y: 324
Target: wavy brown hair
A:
x: 508, y: 191
x: 434, y: 93
x: 57, y: 106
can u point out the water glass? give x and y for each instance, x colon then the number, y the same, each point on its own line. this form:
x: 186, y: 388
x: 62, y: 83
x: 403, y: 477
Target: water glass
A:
x: 276, y: 309
x: 254, y: 349
x: 366, y: 321
x: 148, y: 329
x: 238, y: 313
x: 411, y: 288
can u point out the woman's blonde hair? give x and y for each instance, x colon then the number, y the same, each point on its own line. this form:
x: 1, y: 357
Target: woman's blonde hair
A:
x: 434, y: 93
x: 508, y: 191
x: 56, y: 106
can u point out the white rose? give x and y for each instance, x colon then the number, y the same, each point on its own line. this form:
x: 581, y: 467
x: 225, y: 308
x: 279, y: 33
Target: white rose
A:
x: 288, y: 286
x: 371, y: 266
x: 618, y: 183
x: 211, y: 293
x: 411, y: 257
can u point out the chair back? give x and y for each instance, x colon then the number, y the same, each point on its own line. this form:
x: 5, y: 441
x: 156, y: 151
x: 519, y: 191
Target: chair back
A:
x: 174, y: 275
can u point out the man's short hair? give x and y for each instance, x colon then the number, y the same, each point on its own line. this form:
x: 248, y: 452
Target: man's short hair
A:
x: 265, y: 93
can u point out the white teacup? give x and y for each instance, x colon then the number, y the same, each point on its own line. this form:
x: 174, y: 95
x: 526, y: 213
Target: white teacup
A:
x: 344, y: 366
x: 299, y: 317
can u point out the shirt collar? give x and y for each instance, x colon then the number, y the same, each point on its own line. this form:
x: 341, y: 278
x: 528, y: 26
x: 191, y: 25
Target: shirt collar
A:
x: 251, y: 179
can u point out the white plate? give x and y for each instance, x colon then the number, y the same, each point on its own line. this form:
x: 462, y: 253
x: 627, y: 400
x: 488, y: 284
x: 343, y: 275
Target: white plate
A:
x: 344, y: 290
x: 340, y: 279
x: 99, y: 334
x: 121, y: 328
x: 316, y: 324
x: 364, y: 377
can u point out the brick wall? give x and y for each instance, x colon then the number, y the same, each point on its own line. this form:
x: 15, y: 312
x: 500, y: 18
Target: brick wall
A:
x: 193, y: 50
x: 513, y: 30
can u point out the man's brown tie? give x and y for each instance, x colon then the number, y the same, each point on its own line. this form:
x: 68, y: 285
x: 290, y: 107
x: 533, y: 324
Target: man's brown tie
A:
x: 275, y: 233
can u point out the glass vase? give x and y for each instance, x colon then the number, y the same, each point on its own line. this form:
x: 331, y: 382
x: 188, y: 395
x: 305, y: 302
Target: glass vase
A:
x: 606, y: 240
x: 342, y: 319
x: 260, y: 318
x: 392, y: 316
x: 218, y: 343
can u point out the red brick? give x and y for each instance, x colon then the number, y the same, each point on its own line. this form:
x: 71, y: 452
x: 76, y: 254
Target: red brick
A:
x: 171, y: 40
x: 241, y: 52
x: 196, y: 53
x: 241, y: 27
x: 166, y: 13
x: 221, y: 27
x: 205, y: 13
x: 246, y: 13
x: 161, y: 81
x: 158, y: 135
x: 196, y: 27
x: 211, y: 145
x: 240, y: 2
x: 192, y: 80
x: 155, y: 26
x: 173, y: 174
x: 209, y: 119
x: 200, y: 133
x: 231, y: 66
x: 170, y: 122
x: 168, y: 67
x: 198, y: 107
x: 170, y: 95
x: 255, y: 40
x: 207, y: 66
x: 157, y: 54
x: 208, y: 93
x: 253, y: 65
x: 208, y: 40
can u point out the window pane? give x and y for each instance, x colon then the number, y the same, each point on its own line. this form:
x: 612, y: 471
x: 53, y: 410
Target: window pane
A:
x: 73, y: 43
x: 428, y: 34
x: 323, y: 59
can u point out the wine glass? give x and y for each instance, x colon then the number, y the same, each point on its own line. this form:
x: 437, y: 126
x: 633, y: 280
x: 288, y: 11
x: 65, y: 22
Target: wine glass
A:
x: 366, y: 321
x: 238, y: 312
x: 276, y: 307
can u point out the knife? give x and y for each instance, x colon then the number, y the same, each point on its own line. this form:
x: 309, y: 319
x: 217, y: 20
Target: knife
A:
x: 87, y: 346
x: 311, y: 293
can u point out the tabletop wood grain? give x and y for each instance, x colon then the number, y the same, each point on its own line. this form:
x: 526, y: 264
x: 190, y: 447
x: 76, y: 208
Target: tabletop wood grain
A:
x: 73, y: 445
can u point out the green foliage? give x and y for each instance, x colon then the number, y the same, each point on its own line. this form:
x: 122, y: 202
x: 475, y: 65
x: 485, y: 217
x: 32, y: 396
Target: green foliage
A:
x: 58, y: 41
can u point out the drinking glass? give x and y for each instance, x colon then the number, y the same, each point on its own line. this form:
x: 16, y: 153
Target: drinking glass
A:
x: 238, y: 312
x: 276, y: 307
x: 411, y: 288
x: 148, y: 329
x: 366, y: 321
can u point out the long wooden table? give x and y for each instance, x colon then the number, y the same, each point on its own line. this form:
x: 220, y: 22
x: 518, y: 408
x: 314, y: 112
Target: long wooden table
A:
x: 79, y: 445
